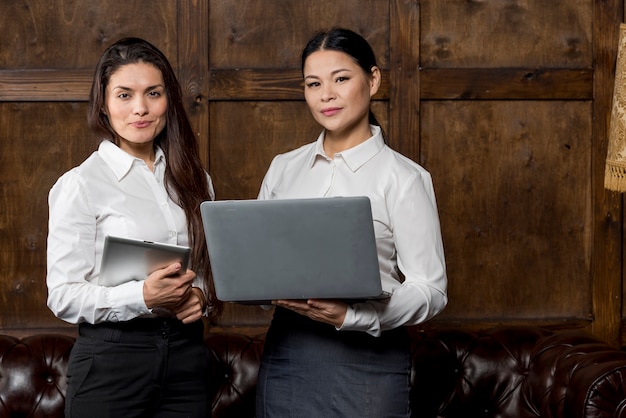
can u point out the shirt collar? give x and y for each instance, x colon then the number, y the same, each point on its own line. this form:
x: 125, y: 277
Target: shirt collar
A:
x: 354, y: 157
x: 119, y: 161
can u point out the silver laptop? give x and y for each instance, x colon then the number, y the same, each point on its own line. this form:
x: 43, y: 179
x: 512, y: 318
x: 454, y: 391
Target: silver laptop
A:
x: 126, y: 259
x: 262, y: 250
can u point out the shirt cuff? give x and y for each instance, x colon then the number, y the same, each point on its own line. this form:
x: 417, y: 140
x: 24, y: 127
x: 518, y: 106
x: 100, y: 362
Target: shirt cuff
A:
x: 126, y: 301
x: 361, y: 317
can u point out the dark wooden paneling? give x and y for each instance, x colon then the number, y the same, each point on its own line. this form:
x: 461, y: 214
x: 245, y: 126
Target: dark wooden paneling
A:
x: 192, y: 70
x: 506, y: 83
x: 404, y: 93
x: 264, y: 34
x: 71, y: 35
x: 513, y: 190
x: 607, y: 237
x: 36, y: 150
x: 45, y: 85
x: 496, y: 34
x: 246, y: 135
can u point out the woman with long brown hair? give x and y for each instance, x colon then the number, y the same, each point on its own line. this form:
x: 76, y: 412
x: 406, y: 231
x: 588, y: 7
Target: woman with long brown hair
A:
x: 140, y: 349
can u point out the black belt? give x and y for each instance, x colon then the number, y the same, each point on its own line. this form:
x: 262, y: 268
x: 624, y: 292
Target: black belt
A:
x: 141, y: 329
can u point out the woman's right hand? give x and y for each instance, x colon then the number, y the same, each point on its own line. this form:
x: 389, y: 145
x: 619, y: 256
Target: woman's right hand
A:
x: 167, y: 287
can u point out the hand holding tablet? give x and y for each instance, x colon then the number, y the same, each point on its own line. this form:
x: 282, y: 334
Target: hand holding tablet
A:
x: 126, y: 259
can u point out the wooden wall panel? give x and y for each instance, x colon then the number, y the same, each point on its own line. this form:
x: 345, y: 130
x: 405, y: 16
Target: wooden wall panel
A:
x: 63, y: 34
x: 524, y: 33
x: 263, y: 34
x: 35, y: 152
x: 513, y: 189
x: 608, y: 220
x: 245, y: 136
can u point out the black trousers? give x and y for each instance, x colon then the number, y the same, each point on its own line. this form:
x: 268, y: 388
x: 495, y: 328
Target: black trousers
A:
x: 156, y: 367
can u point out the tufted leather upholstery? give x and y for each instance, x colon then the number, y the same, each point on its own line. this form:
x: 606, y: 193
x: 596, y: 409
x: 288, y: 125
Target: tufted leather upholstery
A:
x: 517, y: 372
x: 32, y: 375
x: 236, y: 366
x: 511, y: 372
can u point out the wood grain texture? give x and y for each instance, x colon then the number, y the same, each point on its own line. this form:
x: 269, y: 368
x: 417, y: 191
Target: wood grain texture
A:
x: 245, y: 136
x: 71, y: 35
x: 35, y: 152
x: 45, y: 85
x: 506, y: 83
x: 404, y: 93
x: 192, y: 71
x: 511, y: 33
x: 271, y: 34
x: 608, y: 217
x: 513, y: 190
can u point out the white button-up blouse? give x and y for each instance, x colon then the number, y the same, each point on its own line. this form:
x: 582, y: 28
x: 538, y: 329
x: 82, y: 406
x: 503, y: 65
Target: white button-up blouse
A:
x: 110, y: 193
x: 405, y: 216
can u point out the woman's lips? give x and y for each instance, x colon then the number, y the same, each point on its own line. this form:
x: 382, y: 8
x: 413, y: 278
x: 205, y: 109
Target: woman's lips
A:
x: 331, y: 111
x: 141, y: 124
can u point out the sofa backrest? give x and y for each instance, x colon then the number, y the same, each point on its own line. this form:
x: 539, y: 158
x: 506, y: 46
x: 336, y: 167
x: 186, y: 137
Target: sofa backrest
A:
x: 516, y: 372
x: 511, y: 372
x: 33, y: 375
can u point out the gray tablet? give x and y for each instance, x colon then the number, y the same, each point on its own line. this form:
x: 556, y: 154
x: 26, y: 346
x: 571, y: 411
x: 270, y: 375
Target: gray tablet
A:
x: 125, y: 259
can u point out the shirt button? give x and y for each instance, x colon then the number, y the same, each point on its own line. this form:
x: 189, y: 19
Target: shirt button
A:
x: 172, y: 233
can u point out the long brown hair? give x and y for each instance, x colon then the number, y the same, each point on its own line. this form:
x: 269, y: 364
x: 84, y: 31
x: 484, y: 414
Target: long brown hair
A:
x: 185, y: 178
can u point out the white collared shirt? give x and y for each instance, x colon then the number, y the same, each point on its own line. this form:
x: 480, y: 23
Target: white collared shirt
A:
x: 405, y: 216
x: 110, y: 193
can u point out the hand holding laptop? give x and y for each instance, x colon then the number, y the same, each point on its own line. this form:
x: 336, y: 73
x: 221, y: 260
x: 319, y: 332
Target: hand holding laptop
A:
x: 330, y: 311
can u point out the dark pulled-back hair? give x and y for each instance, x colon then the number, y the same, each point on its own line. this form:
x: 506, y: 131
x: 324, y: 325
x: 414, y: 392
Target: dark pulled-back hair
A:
x: 348, y: 42
x: 185, y: 178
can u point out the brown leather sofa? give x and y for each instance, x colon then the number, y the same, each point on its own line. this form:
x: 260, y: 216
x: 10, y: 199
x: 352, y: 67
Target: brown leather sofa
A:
x: 514, y: 372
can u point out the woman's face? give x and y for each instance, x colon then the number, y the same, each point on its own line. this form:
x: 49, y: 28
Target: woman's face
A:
x: 136, y: 104
x: 338, y: 92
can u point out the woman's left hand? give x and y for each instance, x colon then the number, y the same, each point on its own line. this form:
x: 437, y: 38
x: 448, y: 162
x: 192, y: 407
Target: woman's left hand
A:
x: 330, y: 311
x: 191, y: 309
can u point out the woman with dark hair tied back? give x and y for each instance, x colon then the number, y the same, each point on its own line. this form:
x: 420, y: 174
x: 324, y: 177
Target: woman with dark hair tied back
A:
x: 140, y: 351
x: 333, y: 358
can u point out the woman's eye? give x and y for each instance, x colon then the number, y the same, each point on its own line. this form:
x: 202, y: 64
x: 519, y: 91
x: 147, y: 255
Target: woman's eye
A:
x: 313, y: 84
x: 155, y: 93
x: 123, y: 95
x: 340, y: 79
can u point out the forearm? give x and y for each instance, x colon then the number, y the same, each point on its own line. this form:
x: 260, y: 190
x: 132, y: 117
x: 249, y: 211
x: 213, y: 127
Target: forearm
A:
x: 410, y: 304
